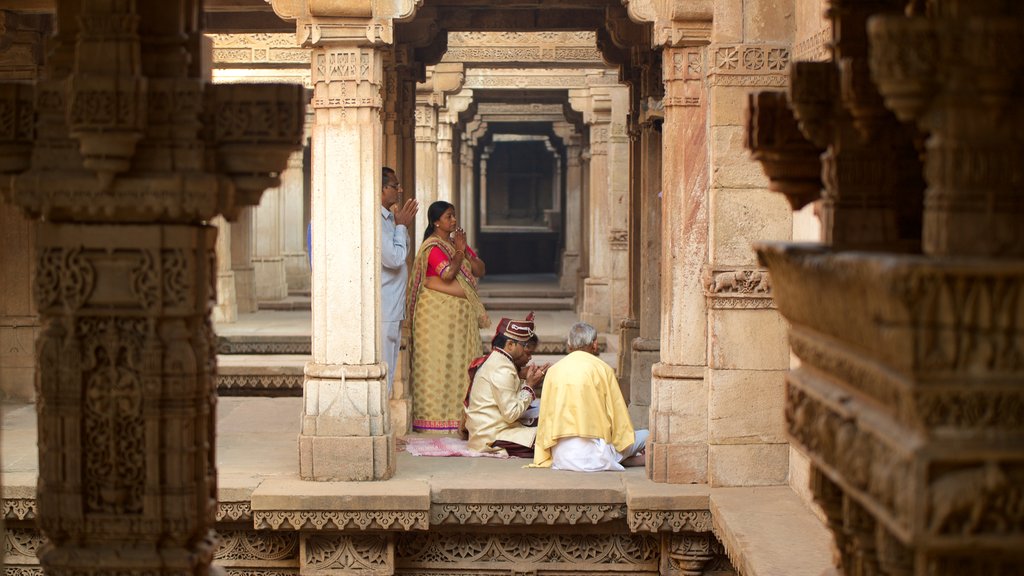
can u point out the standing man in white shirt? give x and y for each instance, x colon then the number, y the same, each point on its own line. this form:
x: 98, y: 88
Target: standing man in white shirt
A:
x: 394, y: 231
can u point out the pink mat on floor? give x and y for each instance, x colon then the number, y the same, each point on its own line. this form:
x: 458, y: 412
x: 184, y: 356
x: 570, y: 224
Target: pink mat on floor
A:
x: 443, y: 446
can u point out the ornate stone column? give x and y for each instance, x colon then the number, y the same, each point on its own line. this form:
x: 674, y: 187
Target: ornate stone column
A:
x: 645, y: 349
x: 125, y: 275
x: 293, y: 223
x: 346, y: 429
x: 268, y: 264
x: 19, y: 323
x: 241, y: 261
x: 442, y: 79
x: 678, y: 447
x: 21, y: 49
x: 226, y: 309
x: 569, y: 274
x: 447, y: 118
x: 596, y: 303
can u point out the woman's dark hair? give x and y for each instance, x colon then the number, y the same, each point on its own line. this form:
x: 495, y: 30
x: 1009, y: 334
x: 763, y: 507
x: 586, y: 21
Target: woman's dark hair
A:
x: 434, y: 213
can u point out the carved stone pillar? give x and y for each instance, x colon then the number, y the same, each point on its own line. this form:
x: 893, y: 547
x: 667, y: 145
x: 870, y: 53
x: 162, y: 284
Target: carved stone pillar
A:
x: 19, y: 323
x: 569, y: 274
x: 678, y: 447
x: 125, y: 275
x: 445, y: 190
x: 596, y: 304
x: 466, y: 197
x: 447, y: 119
x: 442, y: 79
x: 226, y: 309
x: 426, y: 158
x: 346, y: 429
x: 241, y: 261
x: 267, y: 261
x: 645, y: 349
x: 293, y: 224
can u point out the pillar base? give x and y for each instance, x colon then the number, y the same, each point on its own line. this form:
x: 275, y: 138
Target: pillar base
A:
x: 645, y: 353
x: 570, y: 275
x: 271, y: 283
x: 677, y: 452
x: 226, y: 310
x: 346, y: 424
x: 245, y: 289
x: 596, y: 306
x: 297, y: 273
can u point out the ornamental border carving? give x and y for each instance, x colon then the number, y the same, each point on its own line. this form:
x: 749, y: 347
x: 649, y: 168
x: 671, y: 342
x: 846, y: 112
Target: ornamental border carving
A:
x: 529, y: 553
x: 234, y: 511
x: 864, y: 463
x: 749, y: 59
x: 739, y: 288
x: 669, y: 521
x: 273, y: 384
x: 284, y: 346
x: 347, y: 554
x: 525, y: 514
x: 19, y: 508
x: 562, y: 81
x: 341, y: 520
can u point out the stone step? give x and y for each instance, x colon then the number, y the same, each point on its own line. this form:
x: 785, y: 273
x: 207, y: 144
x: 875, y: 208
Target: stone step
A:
x: 264, y: 344
x: 493, y: 303
x: 525, y: 292
x: 292, y: 302
x: 276, y: 375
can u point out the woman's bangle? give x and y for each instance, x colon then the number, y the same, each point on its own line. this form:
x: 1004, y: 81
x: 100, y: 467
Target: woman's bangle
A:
x: 460, y: 252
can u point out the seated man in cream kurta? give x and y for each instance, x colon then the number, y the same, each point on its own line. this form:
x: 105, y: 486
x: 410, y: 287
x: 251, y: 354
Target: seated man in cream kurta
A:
x: 584, y: 424
x: 498, y: 397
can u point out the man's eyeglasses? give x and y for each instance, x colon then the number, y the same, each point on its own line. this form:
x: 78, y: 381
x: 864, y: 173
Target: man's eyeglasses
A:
x: 396, y: 186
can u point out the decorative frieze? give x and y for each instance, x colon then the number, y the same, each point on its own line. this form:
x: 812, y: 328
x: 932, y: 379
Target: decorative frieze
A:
x: 260, y: 48
x: 259, y: 384
x: 263, y: 345
x: 234, y: 511
x: 669, y: 520
x: 747, y: 288
x: 19, y: 508
x: 509, y: 79
x: 341, y: 520
x: 816, y: 47
x: 345, y: 554
x: 748, y: 65
x: 526, y: 553
x: 246, y: 546
x: 525, y: 514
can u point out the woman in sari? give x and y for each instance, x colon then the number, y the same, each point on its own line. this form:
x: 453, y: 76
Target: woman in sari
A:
x: 446, y: 318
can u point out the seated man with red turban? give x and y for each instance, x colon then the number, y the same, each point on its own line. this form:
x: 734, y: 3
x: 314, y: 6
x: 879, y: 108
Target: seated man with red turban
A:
x: 498, y: 398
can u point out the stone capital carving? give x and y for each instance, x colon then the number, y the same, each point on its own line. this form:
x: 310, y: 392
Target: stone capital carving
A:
x: 791, y: 161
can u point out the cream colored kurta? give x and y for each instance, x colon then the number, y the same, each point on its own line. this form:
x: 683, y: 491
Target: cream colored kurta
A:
x: 496, y: 402
x: 581, y: 399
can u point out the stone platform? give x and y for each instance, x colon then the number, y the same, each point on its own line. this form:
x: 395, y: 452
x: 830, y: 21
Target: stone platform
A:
x: 452, y: 515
